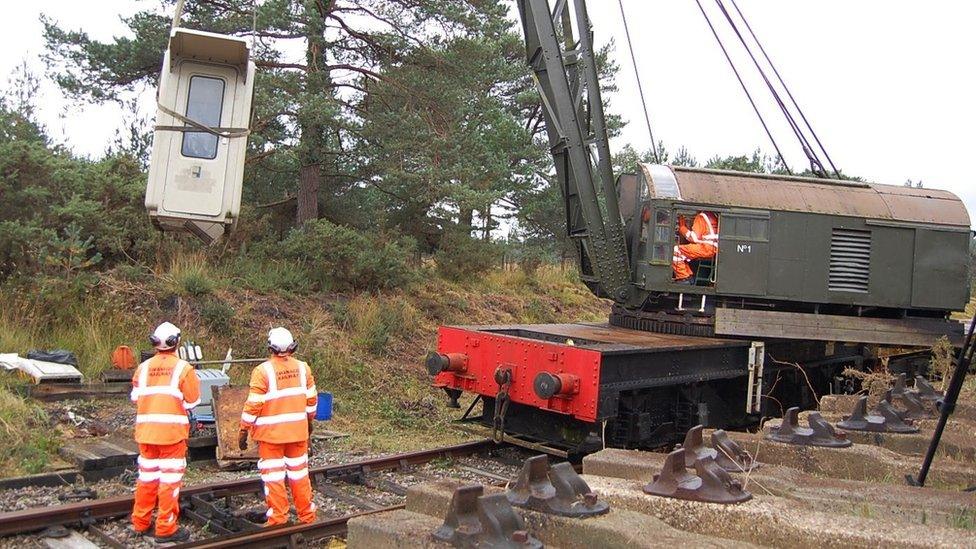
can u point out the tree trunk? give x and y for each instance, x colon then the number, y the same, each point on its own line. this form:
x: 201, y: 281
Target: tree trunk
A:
x: 308, y: 194
x: 465, y: 219
x: 486, y: 231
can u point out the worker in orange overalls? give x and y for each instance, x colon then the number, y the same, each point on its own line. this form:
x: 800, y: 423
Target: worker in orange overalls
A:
x: 278, y: 414
x: 702, y: 243
x: 164, y: 389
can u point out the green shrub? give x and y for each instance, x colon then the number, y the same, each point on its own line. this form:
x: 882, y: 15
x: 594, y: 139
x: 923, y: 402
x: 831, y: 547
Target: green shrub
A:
x: 217, y: 315
x: 461, y: 257
x: 189, y: 275
x: 271, y: 277
x: 341, y: 258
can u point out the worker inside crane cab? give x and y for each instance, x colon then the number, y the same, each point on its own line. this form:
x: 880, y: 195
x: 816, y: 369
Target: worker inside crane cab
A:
x: 693, y: 261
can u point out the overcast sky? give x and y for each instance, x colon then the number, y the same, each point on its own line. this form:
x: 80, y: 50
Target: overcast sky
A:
x: 887, y: 84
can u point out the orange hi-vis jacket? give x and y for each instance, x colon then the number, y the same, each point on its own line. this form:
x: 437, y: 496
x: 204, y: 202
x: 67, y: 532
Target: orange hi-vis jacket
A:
x: 704, y: 230
x: 281, y: 401
x: 164, y: 388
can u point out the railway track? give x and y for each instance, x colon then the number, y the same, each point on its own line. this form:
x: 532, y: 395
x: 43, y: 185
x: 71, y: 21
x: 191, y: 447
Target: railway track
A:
x: 217, y: 512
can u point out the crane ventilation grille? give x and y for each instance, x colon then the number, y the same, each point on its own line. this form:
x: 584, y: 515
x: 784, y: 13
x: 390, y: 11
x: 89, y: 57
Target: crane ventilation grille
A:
x: 850, y: 261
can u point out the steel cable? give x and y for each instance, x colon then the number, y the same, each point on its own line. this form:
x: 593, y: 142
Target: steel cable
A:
x: 640, y: 88
x: 744, y: 87
x: 816, y: 165
x: 785, y: 87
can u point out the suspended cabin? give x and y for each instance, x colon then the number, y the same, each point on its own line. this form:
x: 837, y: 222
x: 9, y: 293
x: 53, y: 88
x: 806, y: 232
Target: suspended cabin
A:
x: 798, y: 257
x: 204, y: 104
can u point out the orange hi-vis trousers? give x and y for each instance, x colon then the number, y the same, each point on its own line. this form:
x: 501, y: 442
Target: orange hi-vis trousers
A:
x: 160, y: 477
x: 688, y: 252
x: 278, y: 461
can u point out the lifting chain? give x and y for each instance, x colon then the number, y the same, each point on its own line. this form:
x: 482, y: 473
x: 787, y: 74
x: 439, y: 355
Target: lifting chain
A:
x: 503, y: 377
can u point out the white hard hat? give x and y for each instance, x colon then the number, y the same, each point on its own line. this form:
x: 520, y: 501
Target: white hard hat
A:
x: 165, y: 337
x: 280, y: 341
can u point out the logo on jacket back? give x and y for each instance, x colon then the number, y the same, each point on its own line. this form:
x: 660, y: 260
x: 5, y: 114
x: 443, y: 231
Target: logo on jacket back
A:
x: 286, y: 374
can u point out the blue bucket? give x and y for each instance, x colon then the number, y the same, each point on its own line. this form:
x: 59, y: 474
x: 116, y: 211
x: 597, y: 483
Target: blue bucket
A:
x: 323, y: 412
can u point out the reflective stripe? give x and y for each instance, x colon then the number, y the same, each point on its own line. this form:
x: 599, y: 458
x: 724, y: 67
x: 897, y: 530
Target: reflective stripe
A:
x: 272, y: 395
x: 254, y: 397
x: 148, y: 476
x: 170, y: 478
x: 276, y: 476
x: 147, y: 463
x: 708, y: 223
x: 171, y: 463
x: 295, y: 475
x: 270, y: 374
x: 281, y: 418
x: 248, y: 418
x: 157, y: 390
x: 310, y: 409
x: 271, y: 463
x: 191, y: 405
x: 310, y: 393
x: 296, y: 461
x: 162, y: 418
x: 172, y: 388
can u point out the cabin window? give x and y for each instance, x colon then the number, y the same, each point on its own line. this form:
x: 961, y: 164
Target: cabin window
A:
x: 204, y: 103
x: 663, y: 229
x: 748, y: 228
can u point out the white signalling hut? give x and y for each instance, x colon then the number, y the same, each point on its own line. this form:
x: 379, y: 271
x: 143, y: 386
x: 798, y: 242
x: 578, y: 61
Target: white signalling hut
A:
x: 203, y: 110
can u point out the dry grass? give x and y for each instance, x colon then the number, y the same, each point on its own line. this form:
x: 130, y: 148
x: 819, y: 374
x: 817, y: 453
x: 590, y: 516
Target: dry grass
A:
x: 366, y: 348
x: 28, y: 441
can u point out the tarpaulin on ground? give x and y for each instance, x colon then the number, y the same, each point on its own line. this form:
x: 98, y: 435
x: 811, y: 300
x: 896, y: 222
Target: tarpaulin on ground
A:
x: 40, y: 371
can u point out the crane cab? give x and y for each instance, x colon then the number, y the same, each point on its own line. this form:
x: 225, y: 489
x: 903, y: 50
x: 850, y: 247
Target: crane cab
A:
x: 800, y: 246
x: 204, y: 103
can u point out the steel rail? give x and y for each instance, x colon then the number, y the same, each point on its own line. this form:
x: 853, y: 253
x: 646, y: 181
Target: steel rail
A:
x: 87, y: 512
x: 283, y: 536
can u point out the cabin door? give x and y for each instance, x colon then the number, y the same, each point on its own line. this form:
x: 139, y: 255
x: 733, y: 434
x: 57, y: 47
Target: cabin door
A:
x: 742, y: 264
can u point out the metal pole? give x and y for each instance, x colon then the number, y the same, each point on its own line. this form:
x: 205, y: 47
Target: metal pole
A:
x: 948, y: 404
x: 231, y: 361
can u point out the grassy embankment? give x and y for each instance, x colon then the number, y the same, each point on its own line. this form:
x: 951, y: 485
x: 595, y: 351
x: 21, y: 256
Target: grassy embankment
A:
x: 366, y: 348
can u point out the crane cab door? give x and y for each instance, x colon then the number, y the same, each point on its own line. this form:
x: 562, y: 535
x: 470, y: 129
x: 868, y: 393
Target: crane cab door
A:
x: 742, y: 264
x: 196, y: 172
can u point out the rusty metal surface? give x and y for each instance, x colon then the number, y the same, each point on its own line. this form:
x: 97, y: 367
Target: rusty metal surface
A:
x: 726, y: 452
x: 883, y: 419
x: 926, y: 391
x: 228, y: 402
x: 797, y: 194
x: 477, y: 520
x: 557, y: 490
x: 709, y: 483
x: 605, y: 338
x: 819, y: 433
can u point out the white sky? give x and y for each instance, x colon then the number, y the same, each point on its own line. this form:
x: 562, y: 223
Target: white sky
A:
x: 887, y: 84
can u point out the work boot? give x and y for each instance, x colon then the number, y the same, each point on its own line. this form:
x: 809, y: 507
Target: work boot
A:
x: 132, y: 531
x: 181, y: 534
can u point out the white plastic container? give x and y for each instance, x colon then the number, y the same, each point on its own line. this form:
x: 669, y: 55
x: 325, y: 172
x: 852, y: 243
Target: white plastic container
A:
x: 208, y: 380
x: 195, y: 177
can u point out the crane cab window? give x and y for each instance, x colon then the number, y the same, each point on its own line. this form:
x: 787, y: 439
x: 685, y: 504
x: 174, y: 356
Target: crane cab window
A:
x: 204, y: 103
x: 663, y: 229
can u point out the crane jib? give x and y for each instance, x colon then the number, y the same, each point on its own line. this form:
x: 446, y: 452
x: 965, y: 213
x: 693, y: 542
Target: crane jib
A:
x: 566, y: 77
